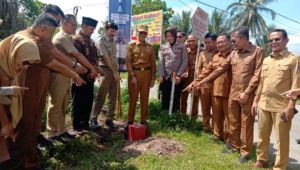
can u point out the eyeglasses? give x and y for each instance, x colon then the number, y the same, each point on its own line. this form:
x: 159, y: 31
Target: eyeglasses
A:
x: 178, y: 37
x: 145, y: 33
x: 74, y: 25
x: 276, y: 40
x: 27, y: 63
x: 222, y: 42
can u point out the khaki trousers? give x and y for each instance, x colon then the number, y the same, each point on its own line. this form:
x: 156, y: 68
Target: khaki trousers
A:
x: 266, y: 120
x: 60, y: 93
x: 108, y: 85
x: 206, y: 96
x: 220, y: 114
x: 143, y: 88
x: 184, y: 98
x: 241, y: 123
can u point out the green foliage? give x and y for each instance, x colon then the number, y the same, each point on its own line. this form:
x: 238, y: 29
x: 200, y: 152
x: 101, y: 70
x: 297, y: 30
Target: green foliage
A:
x: 32, y: 8
x: 144, y: 6
x: 247, y: 13
x: 156, y: 49
x: 219, y: 23
x: 262, y: 40
x: 182, y: 22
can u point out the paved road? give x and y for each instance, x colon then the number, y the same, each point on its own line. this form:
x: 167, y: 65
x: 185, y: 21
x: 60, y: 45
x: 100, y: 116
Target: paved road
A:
x: 294, y: 160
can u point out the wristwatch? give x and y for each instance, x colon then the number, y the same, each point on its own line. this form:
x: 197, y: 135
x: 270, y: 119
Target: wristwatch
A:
x: 132, y: 76
x: 75, y: 65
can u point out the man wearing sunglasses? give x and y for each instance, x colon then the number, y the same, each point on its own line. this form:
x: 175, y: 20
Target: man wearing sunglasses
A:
x: 245, y: 61
x: 181, y: 36
x: 280, y: 73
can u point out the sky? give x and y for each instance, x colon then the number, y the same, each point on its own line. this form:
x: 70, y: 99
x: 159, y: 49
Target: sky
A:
x: 98, y: 10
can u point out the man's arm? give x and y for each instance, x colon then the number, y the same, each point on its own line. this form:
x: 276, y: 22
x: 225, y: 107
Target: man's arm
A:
x: 255, y: 79
x: 221, y: 69
x: 128, y: 60
x: 209, y: 69
x: 199, y: 64
x: 79, y: 57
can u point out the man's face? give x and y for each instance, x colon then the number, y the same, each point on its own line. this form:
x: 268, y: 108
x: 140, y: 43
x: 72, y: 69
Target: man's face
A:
x: 70, y: 26
x: 277, y: 43
x: 238, y: 41
x: 142, y: 35
x: 192, y: 42
x: 110, y: 33
x: 210, y: 44
x: 89, y: 30
x: 47, y: 33
x: 180, y: 37
x: 223, y: 44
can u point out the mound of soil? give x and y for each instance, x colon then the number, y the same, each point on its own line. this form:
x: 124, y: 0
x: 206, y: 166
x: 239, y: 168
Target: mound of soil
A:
x: 158, y: 146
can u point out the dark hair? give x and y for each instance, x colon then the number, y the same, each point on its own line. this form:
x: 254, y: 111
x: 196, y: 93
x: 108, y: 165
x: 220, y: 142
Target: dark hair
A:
x: 44, y: 20
x: 211, y: 35
x: 284, y: 34
x: 54, y: 9
x: 242, y: 32
x: 227, y: 35
x: 183, y: 33
x: 68, y: 18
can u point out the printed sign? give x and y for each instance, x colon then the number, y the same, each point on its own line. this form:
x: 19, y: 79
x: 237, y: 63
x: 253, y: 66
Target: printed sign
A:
x: 199, y: 23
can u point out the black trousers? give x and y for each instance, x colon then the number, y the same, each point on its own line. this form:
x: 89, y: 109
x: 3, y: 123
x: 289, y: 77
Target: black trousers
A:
x: 166, y: 87
x: 82, y: 104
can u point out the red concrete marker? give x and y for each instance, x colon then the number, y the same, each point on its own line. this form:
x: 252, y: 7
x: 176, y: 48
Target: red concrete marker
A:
x: 136, y: 132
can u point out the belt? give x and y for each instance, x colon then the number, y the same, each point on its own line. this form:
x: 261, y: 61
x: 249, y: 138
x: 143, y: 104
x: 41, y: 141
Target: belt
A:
x: 107, y: 66
x: 53, y: 71
x: 191, y: 75
x: 141, y: 69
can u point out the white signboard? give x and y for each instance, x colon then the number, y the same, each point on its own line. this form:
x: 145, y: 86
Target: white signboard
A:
x: 199, y: 23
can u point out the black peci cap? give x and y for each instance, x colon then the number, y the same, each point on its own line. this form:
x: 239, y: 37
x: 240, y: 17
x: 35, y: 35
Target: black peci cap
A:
x: 111, y: 25
x: 89, y: 21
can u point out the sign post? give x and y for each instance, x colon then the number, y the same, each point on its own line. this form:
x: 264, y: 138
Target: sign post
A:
x: 199, y: 23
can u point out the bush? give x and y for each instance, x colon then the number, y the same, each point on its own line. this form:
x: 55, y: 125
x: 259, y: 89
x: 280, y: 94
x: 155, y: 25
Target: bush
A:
x: 156, y: 48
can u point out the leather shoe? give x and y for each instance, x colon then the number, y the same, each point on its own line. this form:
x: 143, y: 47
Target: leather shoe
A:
x: 67, y: 135
x: 42, y: 141
x: 143, y: 123
x: 78, y: 131
x: 56, y: 139
x: 111, y: 124
x: 229, y: 151
x: 127, y: 125
x: 243, y: 159
x: 298, y: 141
x: 38, y: 150
x: 94, y: 124
x: 260, y: 164
x: 228, y: 145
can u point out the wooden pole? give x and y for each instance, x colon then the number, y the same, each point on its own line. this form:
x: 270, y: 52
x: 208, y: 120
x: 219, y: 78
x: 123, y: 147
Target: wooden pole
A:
x: 172, y: 94
x: 119, y: 100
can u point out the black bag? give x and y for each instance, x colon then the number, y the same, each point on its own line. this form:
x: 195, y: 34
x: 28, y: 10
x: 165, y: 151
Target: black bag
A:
x: 16, y: 159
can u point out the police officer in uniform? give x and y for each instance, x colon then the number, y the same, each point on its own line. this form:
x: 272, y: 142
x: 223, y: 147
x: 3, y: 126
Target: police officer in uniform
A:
x: 141, y: 65
x: 109, y: 82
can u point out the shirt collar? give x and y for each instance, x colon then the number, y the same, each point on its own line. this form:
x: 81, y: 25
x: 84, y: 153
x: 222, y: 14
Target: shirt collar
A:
x: 212, y: 51
x: 282, y: 53
x: 66, y: 34
x: 83, y: 34
x: 30, y: 30
x: 248, y: 48
x: 107, y: 38
x: 138, y: 42
x: 220, y: 54
x: 190, y: 51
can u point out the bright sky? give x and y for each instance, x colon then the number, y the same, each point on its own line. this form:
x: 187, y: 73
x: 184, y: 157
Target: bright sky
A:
x: 289, y: 8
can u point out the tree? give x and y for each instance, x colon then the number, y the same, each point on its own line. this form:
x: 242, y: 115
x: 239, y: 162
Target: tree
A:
x: 262, y: 40
x: 247, y: 13
x: 218, y: 23
x: 32, y: 8
x: 182, y: 22
x: 144, y: 6
x: 101, y: 30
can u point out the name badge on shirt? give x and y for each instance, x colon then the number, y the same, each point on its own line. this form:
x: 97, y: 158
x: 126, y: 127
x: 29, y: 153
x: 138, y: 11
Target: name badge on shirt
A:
x: 235, y: 58
x: 5, y: 78
x: 178, y: 45
x: 136, y: 50
x: 166, y: 52
x: 178, y: 51
x: 216, y: 61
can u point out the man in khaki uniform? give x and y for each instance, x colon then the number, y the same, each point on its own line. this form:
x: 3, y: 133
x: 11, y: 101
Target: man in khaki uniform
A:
x: 280, y: 73
x: 141, y: 66
x: 109, y: 82
x: 206, y: 93
x: 189, y: 77
x: 59, y: 86
x: 245, y: 62
x: 221, y: 88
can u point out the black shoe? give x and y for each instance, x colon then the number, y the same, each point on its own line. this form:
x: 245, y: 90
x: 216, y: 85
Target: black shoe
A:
x: 88, y: 128
x: 228, y: 145
x: 67, y: 135
x: 94, y: 124
x: 42, y: 141
x: 216, y: 140
x: 298, y: 141
x: 143, y: 123
x: 56, y: 139
x: 228, y: 151
x: 127, y: 125
x: 111, y: 124
x: 243, y: 159
x: 38, y: 150
x: 40, y: 168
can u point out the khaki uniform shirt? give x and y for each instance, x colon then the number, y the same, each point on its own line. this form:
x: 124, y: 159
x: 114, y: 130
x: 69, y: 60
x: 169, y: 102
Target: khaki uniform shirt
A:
x: 172, y: 59
x: 279, y: 74
x: 192, y: 62
x: 223, y: 83
x: 140, y: 56
x: 107, y: 47
x: 64, y: 43
x: 246, y: 66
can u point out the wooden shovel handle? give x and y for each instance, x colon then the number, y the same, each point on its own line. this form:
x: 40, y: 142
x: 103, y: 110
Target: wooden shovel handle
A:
x: 174, y: 75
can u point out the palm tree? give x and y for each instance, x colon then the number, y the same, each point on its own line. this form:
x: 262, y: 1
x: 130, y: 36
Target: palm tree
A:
x: 247, y: 13
x: 218, y: 23
x: 263, y: 40
x: 182, y: 22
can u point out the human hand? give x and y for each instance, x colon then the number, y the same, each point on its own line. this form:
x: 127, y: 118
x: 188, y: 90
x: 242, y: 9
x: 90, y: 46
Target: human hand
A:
x: 243, y: 98
x: 254, y: 109
x: 291, y: 93
x: 79, y: 81
x: 80, y: 69
x: 160, y: 80
x: 152, y: 84
x: 134, y: 81
x: 185, y: 75
x: 117, y: 77
x: 177, y: 80
x: 289, y: 113
x: 200, y: 84
x: 189, y: 88
x: 7, y: 129
x: 18, y: 90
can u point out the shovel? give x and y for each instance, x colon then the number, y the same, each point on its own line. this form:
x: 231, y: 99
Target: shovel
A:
x: 172, y: 94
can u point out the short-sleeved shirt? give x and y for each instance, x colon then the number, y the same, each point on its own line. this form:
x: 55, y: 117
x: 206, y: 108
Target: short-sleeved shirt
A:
x: 107, y: 47
x: 204, y: 58
x: 280, y: 73
x: 64, y: 43
x: 48, y: 45
x: 172, y: 59
x: 140, y: 55
x: 192, y: 61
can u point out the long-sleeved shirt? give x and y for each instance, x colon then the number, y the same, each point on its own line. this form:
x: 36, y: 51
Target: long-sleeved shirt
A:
x: 4, y: 91
x: 140, y: 56
x: 280, y: 73
x: 223, y: 83
x: 172, y: 59
x: 246, y: 66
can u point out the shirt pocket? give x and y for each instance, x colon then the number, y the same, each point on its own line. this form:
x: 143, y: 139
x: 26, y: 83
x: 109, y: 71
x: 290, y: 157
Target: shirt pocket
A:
x: 265, y: 71
x: 216, y: 65
x: 284, y: 72
x: 249, y: 64
x: 233, y: 65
